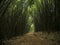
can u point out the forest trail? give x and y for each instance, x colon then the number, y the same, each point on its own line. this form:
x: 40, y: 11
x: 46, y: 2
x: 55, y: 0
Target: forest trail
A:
x: 36, y: 38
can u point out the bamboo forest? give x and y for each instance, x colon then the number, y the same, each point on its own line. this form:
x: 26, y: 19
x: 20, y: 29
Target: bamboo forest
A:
x: 29, y: 22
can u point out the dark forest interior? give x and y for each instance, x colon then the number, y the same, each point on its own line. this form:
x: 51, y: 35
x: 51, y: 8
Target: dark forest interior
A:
x: 19, y: 17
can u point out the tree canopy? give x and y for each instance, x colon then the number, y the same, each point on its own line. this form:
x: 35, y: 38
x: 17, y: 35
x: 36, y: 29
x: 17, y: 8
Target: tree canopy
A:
x: 18, y: 17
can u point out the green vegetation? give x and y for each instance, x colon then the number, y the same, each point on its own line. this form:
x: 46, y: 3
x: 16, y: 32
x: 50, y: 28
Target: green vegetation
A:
x: 18, y: 17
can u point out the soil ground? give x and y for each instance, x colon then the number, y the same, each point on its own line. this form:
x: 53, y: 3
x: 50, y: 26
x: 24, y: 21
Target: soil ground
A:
x: 36, y: 38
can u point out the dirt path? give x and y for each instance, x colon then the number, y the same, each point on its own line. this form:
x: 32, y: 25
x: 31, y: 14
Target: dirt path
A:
x: 37, y: 38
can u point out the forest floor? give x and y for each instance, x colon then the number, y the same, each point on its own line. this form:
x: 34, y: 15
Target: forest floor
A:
x: 36, y: 38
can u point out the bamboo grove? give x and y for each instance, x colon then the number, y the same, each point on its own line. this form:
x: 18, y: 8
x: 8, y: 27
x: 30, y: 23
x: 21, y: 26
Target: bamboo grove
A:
x: 18, y: 17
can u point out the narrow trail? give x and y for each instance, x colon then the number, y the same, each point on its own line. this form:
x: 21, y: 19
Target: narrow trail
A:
x: 36, y: 38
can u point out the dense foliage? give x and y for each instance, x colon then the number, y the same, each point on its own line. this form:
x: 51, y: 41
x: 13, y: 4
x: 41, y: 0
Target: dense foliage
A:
x: 18, y: 17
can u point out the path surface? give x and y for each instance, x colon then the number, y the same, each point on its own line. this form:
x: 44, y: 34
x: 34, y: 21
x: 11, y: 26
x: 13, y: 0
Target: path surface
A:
x: 37, y: 38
